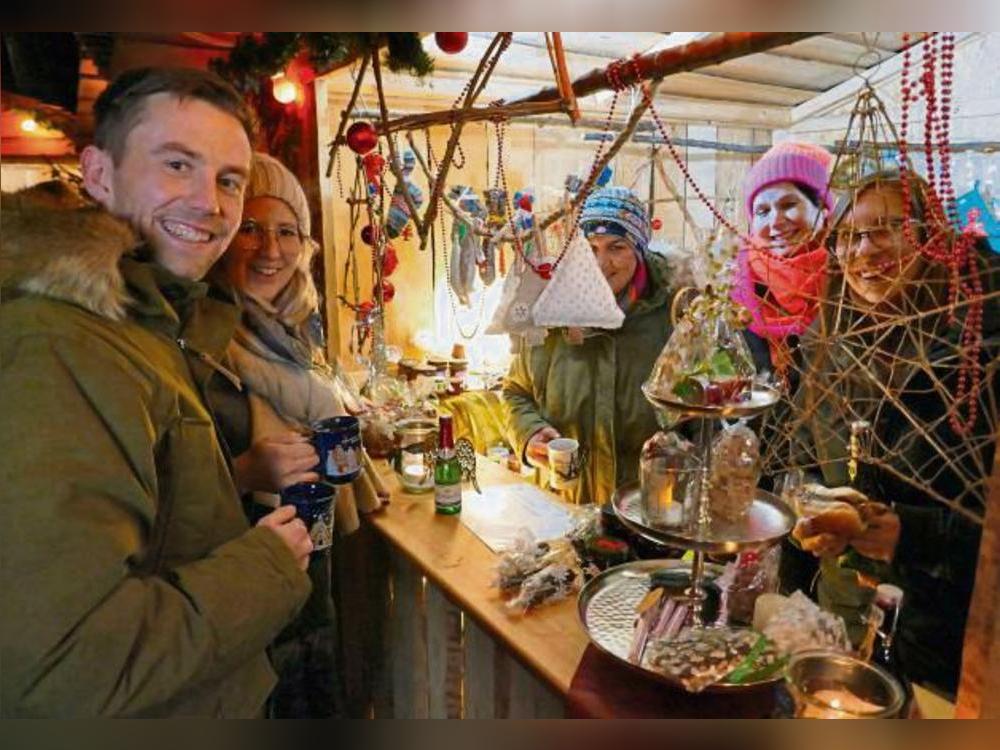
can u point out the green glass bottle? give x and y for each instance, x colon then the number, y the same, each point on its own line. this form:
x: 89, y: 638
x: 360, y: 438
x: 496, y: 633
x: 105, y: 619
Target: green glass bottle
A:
x: 447, y: 471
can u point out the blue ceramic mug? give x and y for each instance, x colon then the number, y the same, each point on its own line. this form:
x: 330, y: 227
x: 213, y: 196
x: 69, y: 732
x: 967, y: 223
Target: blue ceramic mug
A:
x: 337, y: 440
x: 313, y: 503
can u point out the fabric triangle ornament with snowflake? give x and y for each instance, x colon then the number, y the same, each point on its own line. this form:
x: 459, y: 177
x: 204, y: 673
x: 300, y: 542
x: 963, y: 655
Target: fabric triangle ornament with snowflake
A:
x: 578, y: 296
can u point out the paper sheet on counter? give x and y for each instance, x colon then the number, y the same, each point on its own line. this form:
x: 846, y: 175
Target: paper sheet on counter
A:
x: 504, y: 512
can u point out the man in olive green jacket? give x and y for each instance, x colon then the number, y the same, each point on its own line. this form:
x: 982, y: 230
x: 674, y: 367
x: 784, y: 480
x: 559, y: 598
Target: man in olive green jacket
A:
x: 132, y: 584
x: 590, y: 391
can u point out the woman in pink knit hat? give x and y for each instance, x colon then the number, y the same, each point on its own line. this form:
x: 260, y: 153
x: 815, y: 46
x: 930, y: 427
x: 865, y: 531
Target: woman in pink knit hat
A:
x: 781, y: 272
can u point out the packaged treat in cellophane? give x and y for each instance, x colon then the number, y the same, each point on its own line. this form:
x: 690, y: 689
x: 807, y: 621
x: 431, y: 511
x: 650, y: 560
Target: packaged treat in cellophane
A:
x: 531, y: 573
x: 796, y: 623
x: 534, y: 572
x: 705, y: 362
x: 551, y: 583
x: 524, y: 557
x: 735, y: 472
x: 751, y: 574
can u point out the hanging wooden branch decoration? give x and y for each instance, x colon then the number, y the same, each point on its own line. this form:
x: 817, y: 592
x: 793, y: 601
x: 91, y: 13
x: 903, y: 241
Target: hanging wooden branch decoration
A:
x: 697, y: 54
x: 394, y: 163
x: 338, y: 140
x: 557, y: 54
x: 476, y: 85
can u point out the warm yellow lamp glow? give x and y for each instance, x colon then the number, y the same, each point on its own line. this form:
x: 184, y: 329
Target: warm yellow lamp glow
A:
x: 284, y: 89
x: 29, y: 125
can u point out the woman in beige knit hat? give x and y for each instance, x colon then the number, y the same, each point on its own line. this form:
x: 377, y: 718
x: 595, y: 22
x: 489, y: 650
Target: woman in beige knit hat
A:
x: 277, y: 352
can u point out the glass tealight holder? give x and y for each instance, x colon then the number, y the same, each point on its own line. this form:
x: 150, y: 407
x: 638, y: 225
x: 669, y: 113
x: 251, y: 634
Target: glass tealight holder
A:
x: 413, y: 459
x: 668, y: 494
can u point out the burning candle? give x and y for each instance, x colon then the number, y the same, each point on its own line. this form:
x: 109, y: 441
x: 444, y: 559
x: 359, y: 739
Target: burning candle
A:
x: 838, y: 704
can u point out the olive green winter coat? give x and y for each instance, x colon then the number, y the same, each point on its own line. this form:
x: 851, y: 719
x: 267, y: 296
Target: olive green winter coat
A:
x: 131, y: 583
x: 591, y: 391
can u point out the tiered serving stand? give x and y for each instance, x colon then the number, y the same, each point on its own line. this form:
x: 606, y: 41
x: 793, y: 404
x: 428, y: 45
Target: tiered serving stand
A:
x: 607, y: 602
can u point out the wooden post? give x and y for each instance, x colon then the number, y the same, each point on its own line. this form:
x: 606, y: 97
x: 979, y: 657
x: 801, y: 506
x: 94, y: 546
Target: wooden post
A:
x: 979, y: 686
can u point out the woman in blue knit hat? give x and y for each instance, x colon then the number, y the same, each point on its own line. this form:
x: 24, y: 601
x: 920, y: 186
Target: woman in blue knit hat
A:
x: 588, y: 387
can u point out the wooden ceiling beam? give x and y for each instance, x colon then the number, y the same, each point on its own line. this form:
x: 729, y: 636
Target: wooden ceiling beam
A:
x: 712, y: 50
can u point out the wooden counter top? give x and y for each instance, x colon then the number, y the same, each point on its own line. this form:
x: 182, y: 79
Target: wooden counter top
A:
x: 550, y: 641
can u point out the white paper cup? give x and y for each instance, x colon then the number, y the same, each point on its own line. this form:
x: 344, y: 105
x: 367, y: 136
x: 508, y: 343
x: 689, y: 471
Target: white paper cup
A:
x: 564, y: 463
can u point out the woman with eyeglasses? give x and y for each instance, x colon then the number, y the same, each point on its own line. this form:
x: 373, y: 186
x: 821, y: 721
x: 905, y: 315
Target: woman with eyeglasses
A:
x: 277, y: 353
x: 886, y: 350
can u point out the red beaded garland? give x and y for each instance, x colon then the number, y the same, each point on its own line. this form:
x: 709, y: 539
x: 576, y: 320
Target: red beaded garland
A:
x: 943, y: 245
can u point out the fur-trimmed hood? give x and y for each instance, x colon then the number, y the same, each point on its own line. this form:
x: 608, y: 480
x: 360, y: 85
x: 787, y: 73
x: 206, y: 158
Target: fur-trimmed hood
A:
x: 56, y: 244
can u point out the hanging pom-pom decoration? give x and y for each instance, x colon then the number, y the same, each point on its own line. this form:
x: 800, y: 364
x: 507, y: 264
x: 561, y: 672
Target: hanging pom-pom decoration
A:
x: 369, y: 235
x: 362, y: 137
x: 388, y: 291
x: 451, y: 42
x: 390, y: 261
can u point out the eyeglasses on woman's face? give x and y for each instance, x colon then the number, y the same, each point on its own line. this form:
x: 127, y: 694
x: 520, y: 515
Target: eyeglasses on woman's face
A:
x: 885, y: 235
x: 252, y: 232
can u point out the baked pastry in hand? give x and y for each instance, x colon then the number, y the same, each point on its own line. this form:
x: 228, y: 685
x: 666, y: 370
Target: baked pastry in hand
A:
x: 832, y: 518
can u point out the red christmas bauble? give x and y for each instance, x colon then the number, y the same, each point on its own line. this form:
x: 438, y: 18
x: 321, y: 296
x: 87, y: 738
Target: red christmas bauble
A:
x: 361, y: 137
x: 369, y: 234
x: 525, y: 203
x: 390, y: 261
x: 451, y: 42
x: 388, y: 291
x: 656, y: 224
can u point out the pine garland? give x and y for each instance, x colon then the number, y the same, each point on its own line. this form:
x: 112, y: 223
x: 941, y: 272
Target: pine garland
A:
x: 257, y: 56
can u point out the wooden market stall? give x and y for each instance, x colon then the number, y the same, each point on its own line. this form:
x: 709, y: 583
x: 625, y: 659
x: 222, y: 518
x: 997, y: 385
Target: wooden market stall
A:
x: 726, y: 99
x: 425, y: 632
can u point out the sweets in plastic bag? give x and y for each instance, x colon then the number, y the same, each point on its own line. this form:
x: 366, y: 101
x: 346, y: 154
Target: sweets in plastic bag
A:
x: 800, y: 624
x: 706, y: 361
x: 551, y: 583
x: 525, y: 557
x: 735, y: 472
x: 752, y: 574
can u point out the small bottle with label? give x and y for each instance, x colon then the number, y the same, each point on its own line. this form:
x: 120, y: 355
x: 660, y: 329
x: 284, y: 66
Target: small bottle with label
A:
x: 447, y: 471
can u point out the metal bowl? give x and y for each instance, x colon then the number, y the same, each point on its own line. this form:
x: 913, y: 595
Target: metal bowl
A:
x: 824, y: 685
x: 606, y: 607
